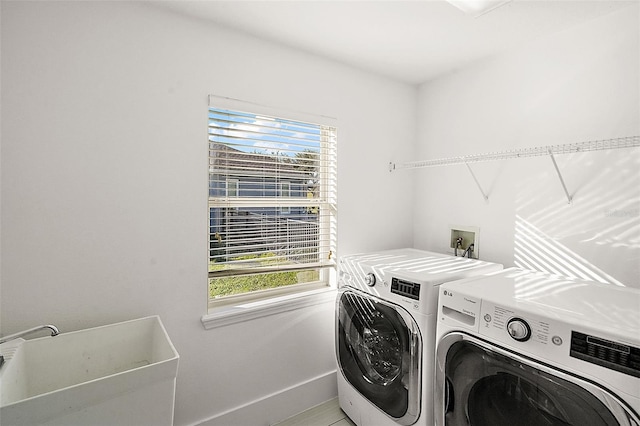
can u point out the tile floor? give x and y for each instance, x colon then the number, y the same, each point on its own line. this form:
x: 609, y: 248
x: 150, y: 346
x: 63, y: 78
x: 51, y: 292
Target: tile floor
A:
x: 327, y: 414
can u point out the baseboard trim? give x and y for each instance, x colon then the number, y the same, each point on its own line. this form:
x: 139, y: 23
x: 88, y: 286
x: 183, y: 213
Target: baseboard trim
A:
x: 278, y: 406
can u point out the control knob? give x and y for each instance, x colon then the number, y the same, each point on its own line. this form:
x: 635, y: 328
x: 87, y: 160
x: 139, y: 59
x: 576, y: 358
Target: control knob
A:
x: 370, y: 279
x: 518, y: 329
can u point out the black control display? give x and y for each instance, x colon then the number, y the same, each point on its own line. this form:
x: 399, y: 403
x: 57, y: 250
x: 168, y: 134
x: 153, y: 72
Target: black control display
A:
x: 613, y: 355
x: 405, y: 288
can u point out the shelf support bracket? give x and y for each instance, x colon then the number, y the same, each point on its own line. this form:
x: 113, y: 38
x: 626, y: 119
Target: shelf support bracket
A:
x: 486, y: 198
x: 564, y: 187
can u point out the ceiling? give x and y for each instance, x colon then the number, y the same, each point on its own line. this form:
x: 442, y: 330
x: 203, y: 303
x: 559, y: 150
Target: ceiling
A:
x: 409, y: 41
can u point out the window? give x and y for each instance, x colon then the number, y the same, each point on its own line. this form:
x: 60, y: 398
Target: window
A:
x: 272, y: 205
x: 232, y: 187
x: 285, y: 192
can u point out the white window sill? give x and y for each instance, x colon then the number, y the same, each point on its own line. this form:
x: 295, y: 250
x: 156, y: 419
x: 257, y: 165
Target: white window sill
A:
x: 247, y: 311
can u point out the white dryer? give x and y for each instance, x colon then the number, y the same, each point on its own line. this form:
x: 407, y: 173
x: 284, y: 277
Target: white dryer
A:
x: 385, y: 332
x: 524, y: 348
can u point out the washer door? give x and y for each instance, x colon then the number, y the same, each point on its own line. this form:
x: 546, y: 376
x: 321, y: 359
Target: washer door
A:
x: 478, y: 384
x: 379, y: 353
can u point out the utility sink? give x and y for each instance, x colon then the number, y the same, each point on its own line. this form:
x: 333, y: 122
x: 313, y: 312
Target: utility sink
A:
x: 118, y: 374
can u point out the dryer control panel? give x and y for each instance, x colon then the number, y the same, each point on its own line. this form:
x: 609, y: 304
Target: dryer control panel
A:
x: 606, y: 353
x: 526, y: 332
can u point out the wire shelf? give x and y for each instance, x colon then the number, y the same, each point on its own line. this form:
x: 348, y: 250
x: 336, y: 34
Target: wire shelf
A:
x: 549, y: 150
x: 570, y: 148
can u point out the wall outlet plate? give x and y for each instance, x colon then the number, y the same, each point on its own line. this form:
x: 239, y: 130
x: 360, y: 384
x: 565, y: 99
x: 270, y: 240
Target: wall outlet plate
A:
x: 469, y: 235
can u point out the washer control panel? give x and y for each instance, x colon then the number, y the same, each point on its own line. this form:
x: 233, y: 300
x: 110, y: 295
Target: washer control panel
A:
x: 370, y: 279
x: 405, y: 288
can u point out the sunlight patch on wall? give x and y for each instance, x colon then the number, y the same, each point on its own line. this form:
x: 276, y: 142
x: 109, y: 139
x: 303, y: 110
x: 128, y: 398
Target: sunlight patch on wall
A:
x: 537, y: 251
x: 600, y: 227
x: 606, y: 207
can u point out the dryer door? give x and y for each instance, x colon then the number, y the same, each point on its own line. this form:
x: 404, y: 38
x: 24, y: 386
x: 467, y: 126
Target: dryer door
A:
x: 379, y: 353
x: 488, y: 386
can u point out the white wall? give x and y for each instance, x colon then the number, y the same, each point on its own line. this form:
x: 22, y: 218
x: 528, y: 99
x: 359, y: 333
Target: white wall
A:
x: 574, y: 86
x: 104, y: 186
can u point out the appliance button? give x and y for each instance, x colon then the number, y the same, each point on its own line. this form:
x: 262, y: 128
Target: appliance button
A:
x: 518, y: 329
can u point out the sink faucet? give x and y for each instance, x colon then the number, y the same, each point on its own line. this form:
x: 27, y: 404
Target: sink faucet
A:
x: 53, y: 328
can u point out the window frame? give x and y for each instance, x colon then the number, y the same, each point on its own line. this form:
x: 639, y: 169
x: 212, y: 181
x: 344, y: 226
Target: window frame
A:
x: 245, y: 306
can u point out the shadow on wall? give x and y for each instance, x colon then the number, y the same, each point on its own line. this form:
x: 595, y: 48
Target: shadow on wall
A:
x: 602, y: 225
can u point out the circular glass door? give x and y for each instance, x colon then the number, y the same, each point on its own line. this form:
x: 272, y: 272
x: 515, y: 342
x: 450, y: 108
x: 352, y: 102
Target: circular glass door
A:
x: 377, y: 352
x: 376, y: 345
x: 486, y: 388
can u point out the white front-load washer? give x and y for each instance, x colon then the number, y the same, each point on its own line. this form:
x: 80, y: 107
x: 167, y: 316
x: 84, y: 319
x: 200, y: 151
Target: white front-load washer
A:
x: 385, y: 332
x: 524, y: 348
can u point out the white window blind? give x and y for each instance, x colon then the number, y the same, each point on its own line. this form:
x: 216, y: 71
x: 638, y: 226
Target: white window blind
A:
x: 272, y: 199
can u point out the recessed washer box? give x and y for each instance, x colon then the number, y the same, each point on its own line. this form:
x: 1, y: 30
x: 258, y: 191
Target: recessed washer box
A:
x: 469, y: 235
